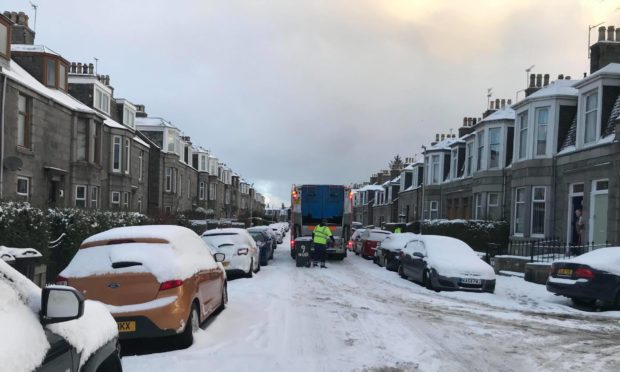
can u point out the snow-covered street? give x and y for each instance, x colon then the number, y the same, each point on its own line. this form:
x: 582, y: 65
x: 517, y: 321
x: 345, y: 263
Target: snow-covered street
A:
x: 356, y: 316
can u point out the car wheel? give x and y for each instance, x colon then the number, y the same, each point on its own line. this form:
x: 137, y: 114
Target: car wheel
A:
x: 224, y: 298
x: 583, y: 302
x: 257, y: 267
x: 186, y: 338
x: 429, y: 281
x: 401, y: 272
x: 250, y: 271
x: 111, y: 364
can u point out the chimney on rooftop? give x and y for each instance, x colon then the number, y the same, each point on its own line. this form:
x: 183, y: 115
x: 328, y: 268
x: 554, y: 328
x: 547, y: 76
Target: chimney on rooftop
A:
x: 140, y: 111
x: 546, y: 80
x: 532, y: 80
x: 561, y: 77
x: 606, y: 50
x: 436, y: 137
x: 538, y: 80
x: 20, y: 31
x: 503, y: 103
x: 509, y: 102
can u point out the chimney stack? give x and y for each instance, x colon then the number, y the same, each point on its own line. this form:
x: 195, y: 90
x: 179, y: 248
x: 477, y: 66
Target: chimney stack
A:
x: 601, y: 33
x: 465, y: 122
x: 20, y: 31
x: 611, y: 31
x: 532, y: 80
x: 538, y: 80
x: 546, y: 80
x: 470, y: 122
x: 474, y: 121
x: 568, y: 77
x: 618, y: 34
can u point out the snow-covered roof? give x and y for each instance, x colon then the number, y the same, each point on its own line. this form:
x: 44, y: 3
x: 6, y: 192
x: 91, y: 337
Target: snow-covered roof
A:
x: 610, y: 69
x: 371, y: 188
x: 443, y: 145
x: 16, y: 73
x: 396, y: 180
x: 115, y: 124
x: 154, y: 122
x: 32, y: 49
x: 505, y: 113
x: 556, y: 88
x: 11, y: 254
x: 141, y: 141
x: 413, y: 165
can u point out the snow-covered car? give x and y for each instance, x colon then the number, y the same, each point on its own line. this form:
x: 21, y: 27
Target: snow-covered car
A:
x: 369, y: 240
x: 279, y: 234
x: 354, y: 240
x: 242, y: 254
x: 53, y: 329
x: 270, y: 232
x: 156, y: 281
x: 264, y: 242
x: 388, y: 251
x: 586, y: 279
x: 445, y: 263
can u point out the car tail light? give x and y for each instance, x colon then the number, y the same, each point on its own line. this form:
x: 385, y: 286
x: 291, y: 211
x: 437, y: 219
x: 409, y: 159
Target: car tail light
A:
x: 350, y: 244
x: 584, y: 273
x: 292, y: 244
x: 170, y: 284
x: 61, y: 280
x: 242, y: 251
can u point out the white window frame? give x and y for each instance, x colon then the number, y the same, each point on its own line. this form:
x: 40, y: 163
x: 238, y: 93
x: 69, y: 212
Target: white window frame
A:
x: 189, y: 188
x: 455, y: 163
x: 201, y: 192
x: 127, y: 155
x: 499, y: 149
x: 478, y: 205
x: 140, y: 204
x: 212, y: 191
x: 141, y: 165
x: 94, y: 201
x: 593, y: 193
x: 22, y: 178
x: 521, y: 149
x: 540, y: 125
x: 480, y: 163
x: 469, y: 160
x: 544, y: 202
x: 101, y: 100
x: 433, y: 208
x: 435, y: 172
x: 84, y: 199
x: 115, y: 195
x: 595, y: 112
x: 168, y: 179
x: 117, y: 141
x: 491, y: 205
x: 129, y: 117
x: 126, y: 200
x: 516, y: 204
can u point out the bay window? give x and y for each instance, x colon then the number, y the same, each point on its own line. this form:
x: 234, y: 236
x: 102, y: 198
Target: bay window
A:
x: 538, y: 210
x: 522, y: 135
x: 494, y: 147
x: 480, y: 140
x: 591, y: 116
x: 116, y: 154
x: 470, y: 158
x: 519, y: 210
x: 542, y: 121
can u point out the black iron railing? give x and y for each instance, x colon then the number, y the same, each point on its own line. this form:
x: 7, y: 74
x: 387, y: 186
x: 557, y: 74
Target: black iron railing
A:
x: 543, y: 250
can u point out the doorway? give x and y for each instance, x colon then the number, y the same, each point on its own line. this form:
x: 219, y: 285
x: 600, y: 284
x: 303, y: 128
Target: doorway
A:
x: 575, y: 235
x: 598, y: 215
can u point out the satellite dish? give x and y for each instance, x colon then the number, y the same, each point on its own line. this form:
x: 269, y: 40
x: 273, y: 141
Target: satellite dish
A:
x: 13, y: 163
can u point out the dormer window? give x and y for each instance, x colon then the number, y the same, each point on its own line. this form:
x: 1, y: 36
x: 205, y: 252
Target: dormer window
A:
x: 101, y: 100
x: 55, y: 73
x: 591, y: 114
x: 5, y: 44
x: 129, y: 117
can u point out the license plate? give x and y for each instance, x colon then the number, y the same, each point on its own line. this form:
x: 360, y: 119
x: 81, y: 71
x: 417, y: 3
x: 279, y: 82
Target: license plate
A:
x: 226, y: 264
x: 471, y: 281
x: 126, y: 326
x: 565, y: 272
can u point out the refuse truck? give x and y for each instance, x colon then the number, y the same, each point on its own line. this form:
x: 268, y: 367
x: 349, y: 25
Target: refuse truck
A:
x: 310, y: 204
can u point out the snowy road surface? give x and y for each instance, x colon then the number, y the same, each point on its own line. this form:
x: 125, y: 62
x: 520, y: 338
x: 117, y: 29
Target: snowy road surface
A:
x: 356, y: 316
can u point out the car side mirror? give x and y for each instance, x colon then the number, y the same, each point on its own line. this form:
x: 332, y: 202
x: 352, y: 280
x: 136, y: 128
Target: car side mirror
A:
x: 219, y: 257
x: 418, y: 254
x: 60, y: 304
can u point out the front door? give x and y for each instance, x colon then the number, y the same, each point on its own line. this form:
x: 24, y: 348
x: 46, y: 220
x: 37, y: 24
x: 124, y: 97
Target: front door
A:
x: 53, y: 190
x: 600, y: 198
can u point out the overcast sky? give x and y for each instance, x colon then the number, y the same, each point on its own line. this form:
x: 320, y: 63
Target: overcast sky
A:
x: 318, y: 91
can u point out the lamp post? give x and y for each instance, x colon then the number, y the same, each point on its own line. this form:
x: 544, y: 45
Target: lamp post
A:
x: 251, y: 200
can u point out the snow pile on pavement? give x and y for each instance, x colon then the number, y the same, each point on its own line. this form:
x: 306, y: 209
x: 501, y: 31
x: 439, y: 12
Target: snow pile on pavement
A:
x: 606, y: 259
x: 184, y: 255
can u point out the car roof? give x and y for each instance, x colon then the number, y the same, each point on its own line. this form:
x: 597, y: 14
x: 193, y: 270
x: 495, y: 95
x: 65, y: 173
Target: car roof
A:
x: 165, y: 234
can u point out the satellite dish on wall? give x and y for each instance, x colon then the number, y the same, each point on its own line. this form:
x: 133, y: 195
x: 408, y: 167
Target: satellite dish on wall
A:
x: 13, y: 163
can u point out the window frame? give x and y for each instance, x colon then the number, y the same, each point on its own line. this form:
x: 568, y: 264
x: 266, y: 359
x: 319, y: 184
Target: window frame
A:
x: 478, y: 206
x: 201, y: 191
x: 140, y: 165
x: 538, y: 201
x: 469, y: 161
x: 114, y: 154
x: 101, y: 100
x: 491, y: 205
x: 489, y: 164
x: 94, y: 201
x: 112, y: 194
x: 434, y: 209
x: 126, y: 200
x: 587, y: 112
x: 168, y: 179
x: 127, y: 151
x: 518, y: 203
x: 523, y: 121
x: 23, y: 178
x: 454, y: 163
x: 27, y: 115
x: 480, y: 144
x: 83, y: 199
x: 538, y: 126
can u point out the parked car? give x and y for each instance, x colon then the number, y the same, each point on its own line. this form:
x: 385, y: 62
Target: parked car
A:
x: 354, y: 244
x: 278, y: 232
x: 586, y: 279
x: 388, y: 251
x: 444, y: 263
x: 356, y: 226
x: 53, y: 329
x: 269, y: 231
x: 369, y: 240
x: 242, y: 254
x: 155, y: 280
x: 264, y: 242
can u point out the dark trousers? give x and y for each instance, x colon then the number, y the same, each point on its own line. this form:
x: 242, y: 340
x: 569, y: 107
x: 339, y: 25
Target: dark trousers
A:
x: 319, y: 252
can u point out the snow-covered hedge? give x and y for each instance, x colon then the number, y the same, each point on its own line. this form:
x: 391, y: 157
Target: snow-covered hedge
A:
x: 476, y: 233
x: 23, y: 226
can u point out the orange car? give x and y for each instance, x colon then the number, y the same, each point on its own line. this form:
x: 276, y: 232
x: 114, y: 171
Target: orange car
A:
x: 155, y: 280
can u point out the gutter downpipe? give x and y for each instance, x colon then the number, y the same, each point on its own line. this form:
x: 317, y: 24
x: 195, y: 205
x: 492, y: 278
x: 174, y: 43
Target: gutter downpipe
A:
x: 423, y: 185
x: 2, y: 114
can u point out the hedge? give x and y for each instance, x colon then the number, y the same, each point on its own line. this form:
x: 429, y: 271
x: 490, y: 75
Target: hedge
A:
x: 22, y: 226
x: 477, y: 234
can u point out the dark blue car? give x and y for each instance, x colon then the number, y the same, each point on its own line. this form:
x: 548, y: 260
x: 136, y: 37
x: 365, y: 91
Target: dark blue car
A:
x: 265, y: 243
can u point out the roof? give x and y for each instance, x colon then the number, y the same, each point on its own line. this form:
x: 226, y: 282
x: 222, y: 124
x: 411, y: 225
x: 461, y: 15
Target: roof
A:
x: 115, y: 124
x: 610, y: 69
x: 32, y: 49
x: 141, y: 141
x: 443, y: 145
x: 556, y: 88
x: 169, y: 233
x: 154, y: 122
x: 413, y: 165
x: 371, y: 188
x: 16, y: 73
x: 505, y: 113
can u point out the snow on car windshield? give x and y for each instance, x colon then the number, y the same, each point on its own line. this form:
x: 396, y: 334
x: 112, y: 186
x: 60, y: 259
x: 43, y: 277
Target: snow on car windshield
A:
x: 378, y: 235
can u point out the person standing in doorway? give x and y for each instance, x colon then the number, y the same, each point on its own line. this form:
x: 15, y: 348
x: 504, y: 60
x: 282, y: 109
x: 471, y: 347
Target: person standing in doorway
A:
x: 580, y: 227
x: 319, y: 237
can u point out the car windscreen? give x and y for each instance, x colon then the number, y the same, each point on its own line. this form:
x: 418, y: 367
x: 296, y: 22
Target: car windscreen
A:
x: 257, y: 236
x: 322, y: 202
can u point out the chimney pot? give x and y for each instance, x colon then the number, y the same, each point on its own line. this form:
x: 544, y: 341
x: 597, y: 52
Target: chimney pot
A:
x: 601, y: 33
x: 497, y: 101
x: 464, y: 122
x: 568, y: 77
x: 79, y: 67
x: 618, y: 34
x: 546, y: 80
x: 611, y: 30
x: 443, y: 136
x: 532, y: 80
x: 436, y: 137
x: 91, y: 68
x: 503, y: 103
x: 491, y: 105
x: 73, y: 67
x: 538, y: 80
x: 474, y: 121
x: 470, y: 121
x: 561, y: 77
x: 509, y: 102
